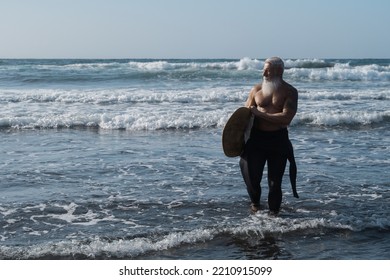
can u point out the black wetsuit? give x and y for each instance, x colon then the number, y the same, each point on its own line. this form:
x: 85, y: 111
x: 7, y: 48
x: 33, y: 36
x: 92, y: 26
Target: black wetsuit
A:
x: 273, y: 147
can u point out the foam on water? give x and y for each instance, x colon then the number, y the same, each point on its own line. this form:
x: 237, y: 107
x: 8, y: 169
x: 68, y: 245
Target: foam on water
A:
x: 340, y: 118
x: 134, y: 109
x: 124, y: 72
x: 260, y: 226
x: 160, y: 120
x: 342, y: 72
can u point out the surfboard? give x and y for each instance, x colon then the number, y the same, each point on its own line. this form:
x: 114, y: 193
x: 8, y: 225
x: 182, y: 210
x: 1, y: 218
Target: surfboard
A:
x: 233, y: 135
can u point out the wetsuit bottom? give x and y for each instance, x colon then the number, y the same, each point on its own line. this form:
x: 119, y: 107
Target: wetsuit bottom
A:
x: 272, y: 147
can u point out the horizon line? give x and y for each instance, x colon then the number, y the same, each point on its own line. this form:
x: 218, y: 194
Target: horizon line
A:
x: 171, y: 58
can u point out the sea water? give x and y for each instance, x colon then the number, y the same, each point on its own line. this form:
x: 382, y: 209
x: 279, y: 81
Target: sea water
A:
x: 122, y: 159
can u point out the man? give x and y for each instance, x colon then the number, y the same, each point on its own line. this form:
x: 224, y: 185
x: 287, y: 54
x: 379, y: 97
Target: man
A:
x: 273, y: 104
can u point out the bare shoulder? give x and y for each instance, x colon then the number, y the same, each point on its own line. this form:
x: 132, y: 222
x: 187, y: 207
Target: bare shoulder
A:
x: 256, y: 88
x: 251, y: 98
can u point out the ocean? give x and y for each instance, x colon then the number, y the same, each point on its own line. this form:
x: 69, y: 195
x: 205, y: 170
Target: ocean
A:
x: 122, y: 159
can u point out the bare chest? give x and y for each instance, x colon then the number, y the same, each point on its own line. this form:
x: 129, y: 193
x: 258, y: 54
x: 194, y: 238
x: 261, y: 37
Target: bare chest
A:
x: 274, y: 101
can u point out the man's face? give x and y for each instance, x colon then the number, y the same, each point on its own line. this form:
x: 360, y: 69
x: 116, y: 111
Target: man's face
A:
x: 267, y: 72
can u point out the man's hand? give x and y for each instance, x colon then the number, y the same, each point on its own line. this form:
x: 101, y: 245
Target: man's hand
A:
x: 255, y: 112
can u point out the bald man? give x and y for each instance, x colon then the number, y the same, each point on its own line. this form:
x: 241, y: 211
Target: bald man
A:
x: 274, y: 104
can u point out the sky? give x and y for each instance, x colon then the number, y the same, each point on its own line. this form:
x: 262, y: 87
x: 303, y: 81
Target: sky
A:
x: 194, y: 29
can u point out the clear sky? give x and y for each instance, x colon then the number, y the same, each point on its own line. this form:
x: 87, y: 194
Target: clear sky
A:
x: 194, y: 28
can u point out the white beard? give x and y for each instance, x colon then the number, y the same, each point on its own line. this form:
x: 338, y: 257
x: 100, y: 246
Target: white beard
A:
x: 269, y: 87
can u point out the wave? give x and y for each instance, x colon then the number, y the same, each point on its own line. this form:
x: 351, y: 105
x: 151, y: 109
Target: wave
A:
x: 139, y: 120
x: 97, y: 71
x: 101, y: 248
x: 244, y: 63
x: 134, y: 109
x: 307, y: 63
x: 140, y: 64
x: 219, y: 95
x: 123, y: 96
x: 134, y: 121
x: 298, y: 69
x: 151, y: 117
x: 190, y: 120
x: 342, y: 119
x: 342, y: 72
x: 257, y: 227
x: 376, y: 94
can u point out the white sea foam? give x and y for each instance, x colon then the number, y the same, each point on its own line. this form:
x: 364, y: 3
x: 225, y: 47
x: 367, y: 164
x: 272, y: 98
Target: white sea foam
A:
x: 314, y: 69
x: 258, y: 225
x: 125, y: 96
x: 155, y: 65
x: 333, y: 118
x: 143, y: 109
x: 146, y: 119
x: 337, y: 94
x: 306, y: 63
x: 342, y: 72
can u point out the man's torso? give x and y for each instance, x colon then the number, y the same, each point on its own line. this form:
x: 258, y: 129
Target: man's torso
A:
x: 271, y: 103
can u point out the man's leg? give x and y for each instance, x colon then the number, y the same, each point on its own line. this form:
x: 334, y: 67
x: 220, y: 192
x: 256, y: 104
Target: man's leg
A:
x: 276, y: 166
x: 252, y: 164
